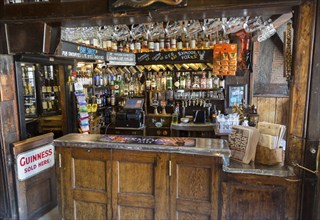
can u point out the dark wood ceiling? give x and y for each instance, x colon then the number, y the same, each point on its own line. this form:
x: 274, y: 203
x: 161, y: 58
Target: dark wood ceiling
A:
x: 96, y: 12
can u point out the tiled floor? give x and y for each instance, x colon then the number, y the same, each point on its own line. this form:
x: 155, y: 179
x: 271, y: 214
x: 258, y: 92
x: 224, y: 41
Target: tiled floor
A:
x: 52, y: 215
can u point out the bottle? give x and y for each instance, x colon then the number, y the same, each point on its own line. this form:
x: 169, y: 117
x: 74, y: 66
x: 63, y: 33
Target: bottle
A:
x: 177, y: 82
x: 193, y: 43
x: 167, y: 44
x: 169, y: 81
x: 164, y: 81
x: 179, y: 43
x: 157, y: 45
x: 173, y: 44
x: 132, y: 47
x: 214, y: 114
x: 188, y: 82
x: 131, y: 87
x: 175, y: 115
x: 215, y: 82
x: 153, y: 83
x: 203, y: 81
x: 113, y: 100
x: 151, y: 45
x: 161, y: 43
x: 148, y: 82
x: 144, y: 45
x: 209, y: 81
x: 137, y: 87
x: 182, y: 82
x: 158, y: 81
x: 137, y: 47
x: 221, y: 83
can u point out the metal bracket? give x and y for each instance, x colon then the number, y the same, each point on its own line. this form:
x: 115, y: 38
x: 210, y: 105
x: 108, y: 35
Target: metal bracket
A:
x: 317, y: 163
x: 10, y: 160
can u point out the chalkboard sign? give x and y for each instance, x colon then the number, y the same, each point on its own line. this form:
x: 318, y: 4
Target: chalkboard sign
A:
x: 73, y: 50
x: 121, y: 59
x: 183, y: 56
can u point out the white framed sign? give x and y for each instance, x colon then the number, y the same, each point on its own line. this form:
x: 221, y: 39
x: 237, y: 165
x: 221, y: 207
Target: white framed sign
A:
x: 34, y: 161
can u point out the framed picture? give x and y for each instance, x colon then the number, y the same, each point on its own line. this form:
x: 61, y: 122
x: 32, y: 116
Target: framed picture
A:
x: 236, y: 95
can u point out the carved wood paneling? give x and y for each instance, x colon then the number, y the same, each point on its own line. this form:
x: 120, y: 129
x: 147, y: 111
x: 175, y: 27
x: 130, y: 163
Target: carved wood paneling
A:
x: 258, y: 197
x: 84, y: 183
x: 139, y: 188
x: 194, y: 187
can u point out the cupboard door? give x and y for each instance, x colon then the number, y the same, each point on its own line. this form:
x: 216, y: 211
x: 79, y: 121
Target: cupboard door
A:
x: 139, y: 187
x: 84, y: 183
x: 258, y: 197
x: 194, y: 187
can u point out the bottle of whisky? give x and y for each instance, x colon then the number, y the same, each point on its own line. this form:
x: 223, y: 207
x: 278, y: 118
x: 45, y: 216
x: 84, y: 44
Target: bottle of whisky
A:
x: 182, y: 81
x: 203, y: 81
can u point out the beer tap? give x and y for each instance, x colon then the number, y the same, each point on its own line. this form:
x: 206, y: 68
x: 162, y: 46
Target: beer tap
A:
x: 183, y: 109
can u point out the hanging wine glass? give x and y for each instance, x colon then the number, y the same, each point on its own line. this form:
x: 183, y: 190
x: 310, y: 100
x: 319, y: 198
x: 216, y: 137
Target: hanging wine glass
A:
x: 266, y: 31
x: 138, y: 31
x: 233, y: 25
x: 155, y: 29
x: 211, y: 26
x: 172, y: 29
x: 121, y: 32
x: 252, y: 24
x: 192, y: 27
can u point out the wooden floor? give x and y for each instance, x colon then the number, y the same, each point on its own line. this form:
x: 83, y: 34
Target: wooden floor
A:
x: 51, y: 215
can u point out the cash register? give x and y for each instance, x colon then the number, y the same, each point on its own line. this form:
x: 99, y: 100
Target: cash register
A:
x: 132, y: 114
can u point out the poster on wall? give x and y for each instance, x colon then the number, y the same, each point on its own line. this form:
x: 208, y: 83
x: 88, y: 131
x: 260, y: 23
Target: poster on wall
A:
x: 134, y: 5
x: 237, y: 94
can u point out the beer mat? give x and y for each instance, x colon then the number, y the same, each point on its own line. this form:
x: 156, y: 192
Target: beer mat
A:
x: 183, y: 142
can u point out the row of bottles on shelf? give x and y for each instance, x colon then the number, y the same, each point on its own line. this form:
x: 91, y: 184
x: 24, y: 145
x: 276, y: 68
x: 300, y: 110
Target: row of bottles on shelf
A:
x: 28, y: 80
x: 154, y: 80
x: 161, y: 43
x: 159, y: 81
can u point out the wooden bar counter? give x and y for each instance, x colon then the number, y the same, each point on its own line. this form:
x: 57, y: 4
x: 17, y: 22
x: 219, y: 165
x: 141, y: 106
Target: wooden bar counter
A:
x: 127, y: 177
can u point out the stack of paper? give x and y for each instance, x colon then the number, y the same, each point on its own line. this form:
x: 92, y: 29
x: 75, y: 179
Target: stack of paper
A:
x: 271, y: 143
x: 243, y: 143
x: 271, y: 135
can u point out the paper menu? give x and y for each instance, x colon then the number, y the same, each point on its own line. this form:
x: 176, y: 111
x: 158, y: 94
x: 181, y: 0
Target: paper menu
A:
x: 243, y: 142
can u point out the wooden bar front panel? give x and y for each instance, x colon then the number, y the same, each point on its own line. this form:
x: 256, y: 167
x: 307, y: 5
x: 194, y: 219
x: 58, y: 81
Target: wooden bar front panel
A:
x: 139, y: 185
x: 85, y: 183
x: 258, y: 197
x: 194, y: 187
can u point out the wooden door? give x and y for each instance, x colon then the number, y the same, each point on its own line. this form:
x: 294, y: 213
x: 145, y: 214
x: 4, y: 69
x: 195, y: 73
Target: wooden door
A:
x: 194, y: 187
x: 36, y: 192
x: 9, y: 131
x: 84, y: 183
x: 139, y: 188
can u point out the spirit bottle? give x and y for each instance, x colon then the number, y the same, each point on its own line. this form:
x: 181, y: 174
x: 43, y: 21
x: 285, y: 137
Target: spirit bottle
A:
x: 153, y: 83
x: 177, y: 81
x: 188, y: 82
x: 148, y: 82
x: 169, y: 81
x: 209, y: 81
x: 182, y: 81
x: 203, y: 81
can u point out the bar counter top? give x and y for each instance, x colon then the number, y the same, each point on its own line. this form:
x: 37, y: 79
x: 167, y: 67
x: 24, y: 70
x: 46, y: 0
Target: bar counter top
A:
x: 196, y: 146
